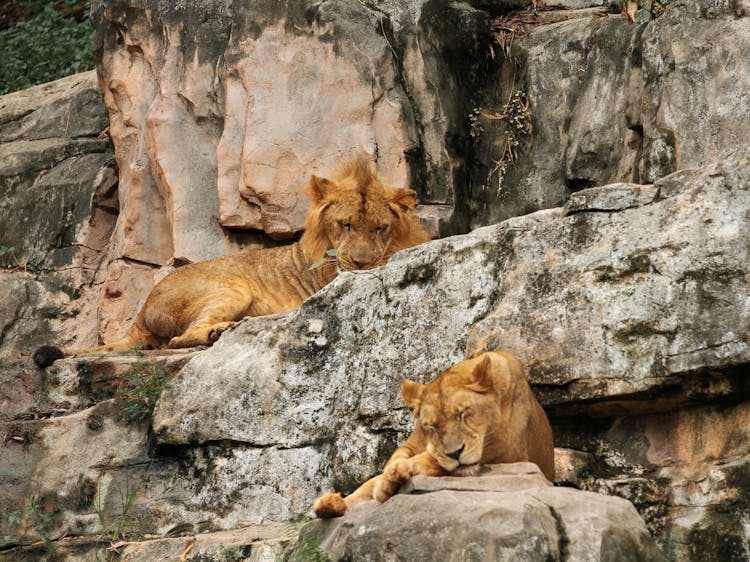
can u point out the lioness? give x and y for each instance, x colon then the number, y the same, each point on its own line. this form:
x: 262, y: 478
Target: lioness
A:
x: 354, y: 214
x: 481, y: 410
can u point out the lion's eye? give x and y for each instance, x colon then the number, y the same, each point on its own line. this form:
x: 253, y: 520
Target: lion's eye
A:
x: 463, y: 414
x: 381, y: 228
x: 346, y: 225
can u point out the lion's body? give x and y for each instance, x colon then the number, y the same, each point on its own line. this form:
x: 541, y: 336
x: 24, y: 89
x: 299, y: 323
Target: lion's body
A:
x: 480, y: 411
x: 355, y: 214
x: 193, y: 301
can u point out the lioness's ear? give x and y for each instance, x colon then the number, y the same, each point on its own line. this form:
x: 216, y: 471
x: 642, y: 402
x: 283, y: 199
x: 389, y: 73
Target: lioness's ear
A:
x: 412, y: 394
x: 482, y: 377
x: 402, y: 199
x: 318, y: 188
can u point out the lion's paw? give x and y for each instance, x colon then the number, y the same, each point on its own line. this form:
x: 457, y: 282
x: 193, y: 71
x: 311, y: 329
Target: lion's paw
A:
x: 218, y: 329
x: 329, y: 505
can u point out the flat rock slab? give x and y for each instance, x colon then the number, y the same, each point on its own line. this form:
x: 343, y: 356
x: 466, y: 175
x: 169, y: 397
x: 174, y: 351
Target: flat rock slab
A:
x: 540, y: 523
x: 510, y: 477
x: 257, y: 543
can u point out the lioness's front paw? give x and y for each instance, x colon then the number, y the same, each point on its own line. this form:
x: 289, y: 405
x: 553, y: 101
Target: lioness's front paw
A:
x: 398, y: 471
x: 329, y: 505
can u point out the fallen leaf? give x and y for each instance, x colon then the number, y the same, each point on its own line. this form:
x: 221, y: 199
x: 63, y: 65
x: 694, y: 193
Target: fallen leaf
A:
x: 183, y: 556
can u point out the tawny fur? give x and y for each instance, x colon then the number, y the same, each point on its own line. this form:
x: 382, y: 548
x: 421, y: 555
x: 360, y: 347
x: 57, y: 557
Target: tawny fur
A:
x: 355, y: 214
x: 480, y: 411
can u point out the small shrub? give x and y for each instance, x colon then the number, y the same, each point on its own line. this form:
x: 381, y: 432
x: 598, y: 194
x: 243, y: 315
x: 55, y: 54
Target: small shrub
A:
x: 659, y: 7
x: 48, y: 45
x: 517, y: 117
x: 475, y: 125
x: 116, y: 528
x: 32, y: 517
x: 305, y: 542
x: 141, y: 388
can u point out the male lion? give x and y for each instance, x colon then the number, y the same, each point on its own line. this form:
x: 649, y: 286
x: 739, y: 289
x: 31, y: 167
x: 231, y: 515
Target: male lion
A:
x: 479, y: 411
x: 354, y: 214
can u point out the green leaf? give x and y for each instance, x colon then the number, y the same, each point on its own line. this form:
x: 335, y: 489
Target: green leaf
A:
x: 317, y: 264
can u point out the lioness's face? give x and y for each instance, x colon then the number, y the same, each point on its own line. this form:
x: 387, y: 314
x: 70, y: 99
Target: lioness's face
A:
x: 456, y: 412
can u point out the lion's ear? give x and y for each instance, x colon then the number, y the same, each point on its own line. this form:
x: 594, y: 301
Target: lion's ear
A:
x: 412, y: 394
x: 318, y: 188
x: 402, y: 199
x: 482, y: 377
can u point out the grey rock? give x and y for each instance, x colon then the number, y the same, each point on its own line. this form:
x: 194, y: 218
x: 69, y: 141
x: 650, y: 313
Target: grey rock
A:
x: 57, y: 211
x: 535, y: 523
x: 615, y: 102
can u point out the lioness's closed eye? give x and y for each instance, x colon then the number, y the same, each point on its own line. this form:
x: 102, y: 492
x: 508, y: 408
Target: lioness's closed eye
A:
x: 479, y: 411
x: 355, y: 222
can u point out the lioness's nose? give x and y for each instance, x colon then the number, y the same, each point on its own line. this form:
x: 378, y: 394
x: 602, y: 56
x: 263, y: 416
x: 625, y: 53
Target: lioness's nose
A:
x: 455, y: 454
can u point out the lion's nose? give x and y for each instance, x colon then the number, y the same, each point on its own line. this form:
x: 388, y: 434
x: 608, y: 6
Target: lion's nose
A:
x: 455, y: 454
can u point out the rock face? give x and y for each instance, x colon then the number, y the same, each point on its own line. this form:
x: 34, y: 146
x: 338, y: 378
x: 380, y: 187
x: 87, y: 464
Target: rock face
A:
x: 59, y: 202
x: 220, y: 112
x: 627, y: 298
x: 647, y: 396
x: 615, y: 102
x: 658, y: 354
x: 504, y: 517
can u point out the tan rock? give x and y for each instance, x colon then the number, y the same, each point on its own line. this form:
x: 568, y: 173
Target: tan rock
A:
x: 511, y: 477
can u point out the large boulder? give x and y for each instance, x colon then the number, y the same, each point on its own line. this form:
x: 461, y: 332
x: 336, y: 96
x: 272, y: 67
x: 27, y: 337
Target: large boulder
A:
x: 220, y: 114
x: 511, y: 513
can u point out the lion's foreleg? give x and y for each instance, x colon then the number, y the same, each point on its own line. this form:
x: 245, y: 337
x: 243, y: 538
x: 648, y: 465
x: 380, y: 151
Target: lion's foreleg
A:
x: 333, y: 504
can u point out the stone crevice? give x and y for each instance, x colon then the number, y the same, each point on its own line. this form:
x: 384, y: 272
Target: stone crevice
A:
x: 563, y: 540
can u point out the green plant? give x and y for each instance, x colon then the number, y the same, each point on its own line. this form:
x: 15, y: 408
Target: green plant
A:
x: 115, y: 529
x: 475, y: 125
x: 32, y: 517
x: 8, y: 256
x: 141, y: 388
x: 229, y: 554
x: 330, y: 258
x: 15, y: 518
x: 9, y: 260
x: 517, y: 116
x: 306, y: 541
x: 50, y: 44
x: 658, y: 7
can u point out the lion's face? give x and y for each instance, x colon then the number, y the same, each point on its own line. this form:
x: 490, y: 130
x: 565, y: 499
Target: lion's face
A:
x: 359, y: 225
x: 363, y: 220
x: 456, y: 412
